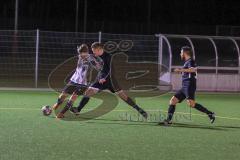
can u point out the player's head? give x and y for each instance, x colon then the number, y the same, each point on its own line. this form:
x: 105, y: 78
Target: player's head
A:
x: 83, y: 50
x: 186, y: 52
x: 97, y: 48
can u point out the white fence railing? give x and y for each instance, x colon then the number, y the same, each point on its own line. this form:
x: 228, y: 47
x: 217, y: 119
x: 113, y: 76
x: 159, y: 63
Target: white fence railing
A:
x: 28, y: 57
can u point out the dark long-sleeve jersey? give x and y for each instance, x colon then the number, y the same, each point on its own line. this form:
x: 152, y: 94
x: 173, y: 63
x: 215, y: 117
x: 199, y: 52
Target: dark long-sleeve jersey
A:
x: 105, y: 72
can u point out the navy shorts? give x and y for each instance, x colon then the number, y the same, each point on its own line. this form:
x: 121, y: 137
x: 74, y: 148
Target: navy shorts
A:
x: 107, y: 85
x: 186, y: 92
x: 72, y: 87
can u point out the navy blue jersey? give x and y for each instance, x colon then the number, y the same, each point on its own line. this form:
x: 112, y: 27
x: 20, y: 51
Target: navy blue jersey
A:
x: 189, y: 77
x: 105, y: 72
x: 110, y: 84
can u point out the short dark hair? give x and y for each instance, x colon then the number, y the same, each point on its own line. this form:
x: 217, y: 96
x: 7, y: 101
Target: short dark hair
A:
x: 82, y: 48
x: 96, y: 45
x: 187, y: 49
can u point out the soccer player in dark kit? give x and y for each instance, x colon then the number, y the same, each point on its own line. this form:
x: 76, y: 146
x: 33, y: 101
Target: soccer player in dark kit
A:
x: 105, y: 82
x: 189, y: 73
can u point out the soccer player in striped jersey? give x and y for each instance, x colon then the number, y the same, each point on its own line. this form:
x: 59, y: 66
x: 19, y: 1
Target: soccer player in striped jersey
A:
x: 78, y: 82
x: 189, y: 73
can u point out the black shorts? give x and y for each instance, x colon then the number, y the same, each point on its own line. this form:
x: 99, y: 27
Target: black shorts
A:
x: 72, y: 87
x: 107, y: 85
x: 186, y: 92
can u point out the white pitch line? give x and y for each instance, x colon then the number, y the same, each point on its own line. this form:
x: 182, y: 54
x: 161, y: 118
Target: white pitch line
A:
x: 149, y: 110
x: 20, y: 109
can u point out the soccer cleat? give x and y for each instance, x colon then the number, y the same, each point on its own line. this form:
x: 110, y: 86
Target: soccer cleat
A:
x: 143, y: 113
x: 212, y: 117
x: 166, y: 122
x: 60, y: 115
x: 74, y: 110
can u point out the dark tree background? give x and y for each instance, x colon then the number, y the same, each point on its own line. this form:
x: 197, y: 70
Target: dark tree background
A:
x: 123, y: 16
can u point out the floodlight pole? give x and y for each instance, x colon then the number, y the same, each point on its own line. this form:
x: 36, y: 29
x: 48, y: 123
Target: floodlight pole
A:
x: 85, y: 20
x: 149, y: 15
x: 85, y: 17
x: 16, y: 16
x: 76, y: 17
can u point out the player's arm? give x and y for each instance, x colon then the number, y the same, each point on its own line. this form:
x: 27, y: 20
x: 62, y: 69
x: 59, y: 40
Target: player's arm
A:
x: 191, y: 68
x: 96, y: 63
x: 188, y: 70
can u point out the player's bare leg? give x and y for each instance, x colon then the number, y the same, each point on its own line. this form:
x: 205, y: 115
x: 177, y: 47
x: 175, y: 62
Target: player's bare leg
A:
x: 88, y: 93
x: 130, y: 102
x: 60, y: 100
x: 171, y: 109
x: 201, y: 108
x: 69, y: 104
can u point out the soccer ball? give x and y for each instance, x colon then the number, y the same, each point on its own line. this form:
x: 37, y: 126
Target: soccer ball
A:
x: 46, y: 110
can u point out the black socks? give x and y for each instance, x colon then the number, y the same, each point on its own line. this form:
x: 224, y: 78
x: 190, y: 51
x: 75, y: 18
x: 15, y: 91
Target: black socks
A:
x: 59, y: 101
x: 130, y: 102
x: 171, y: 111
x: 68, y: 105
x: 83, y: 102
x: 197, y: 106
x: 202, y: 109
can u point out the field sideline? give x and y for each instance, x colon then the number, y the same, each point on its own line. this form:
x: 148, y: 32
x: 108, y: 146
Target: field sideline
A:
x: 120, y: 134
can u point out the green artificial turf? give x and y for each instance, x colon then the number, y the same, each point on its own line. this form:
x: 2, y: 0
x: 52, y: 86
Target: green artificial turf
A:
x: 25, y: 134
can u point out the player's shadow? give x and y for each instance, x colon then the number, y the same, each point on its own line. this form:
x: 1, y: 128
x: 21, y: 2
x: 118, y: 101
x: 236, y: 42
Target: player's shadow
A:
x: 144, y: 122
x: 147, y: 123
x: 105, y: 121
x: 121, y: 122
x: 151, y: 123
x: 110, y: 121
x: 230, y: 127
x: 197, y: 126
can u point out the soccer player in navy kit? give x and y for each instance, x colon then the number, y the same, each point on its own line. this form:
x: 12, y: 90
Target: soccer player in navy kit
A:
x: 105, y: 82
x: 189, y: 73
